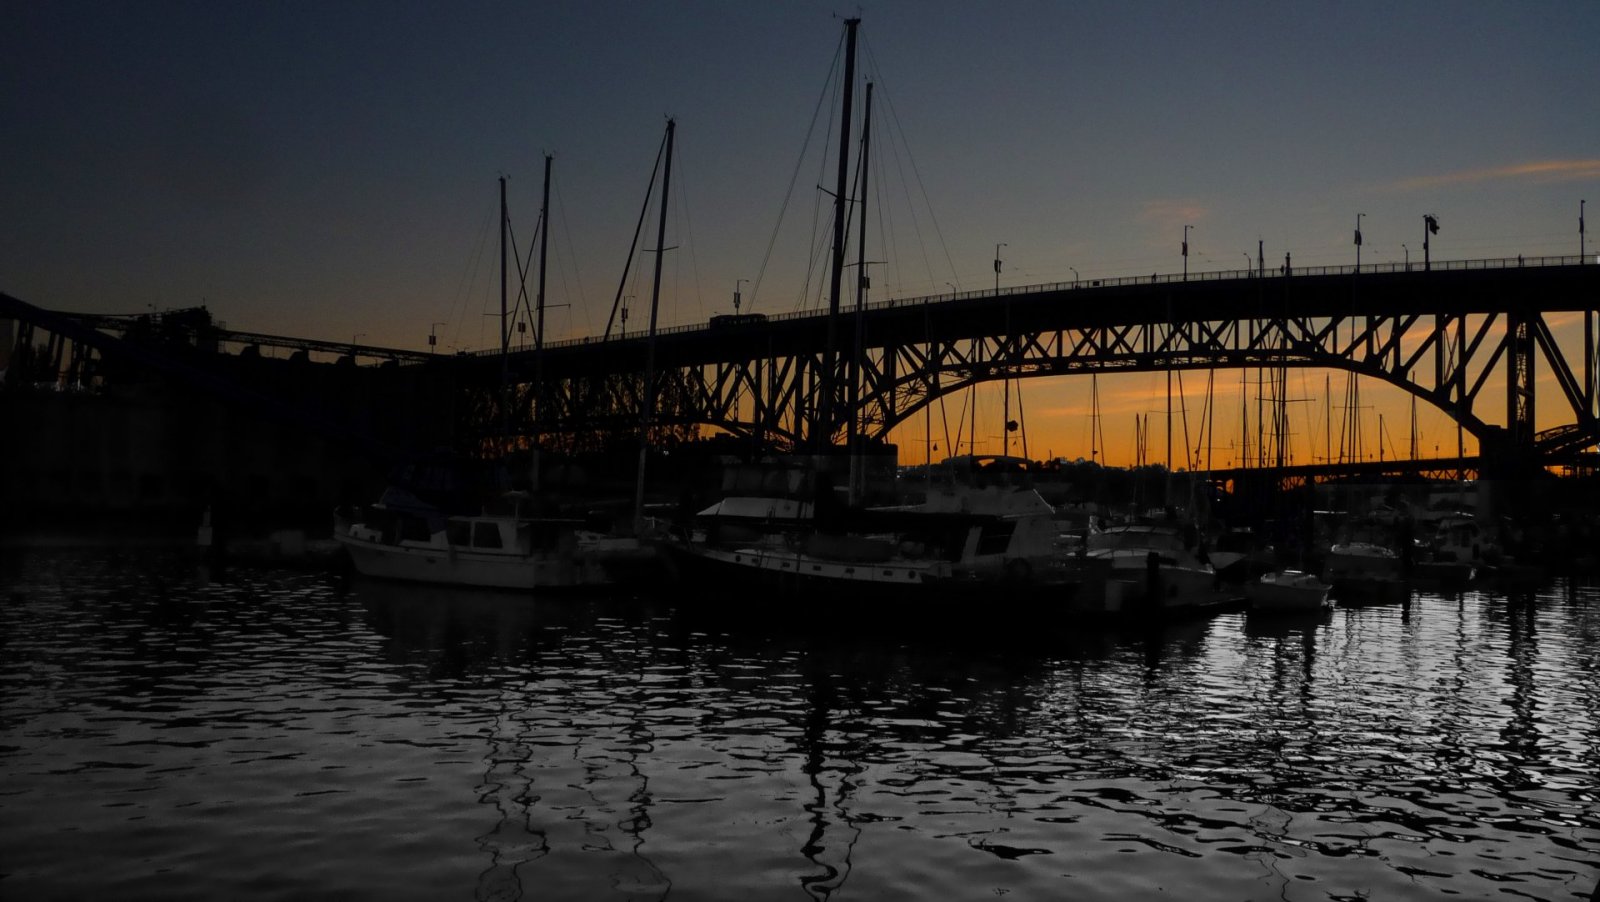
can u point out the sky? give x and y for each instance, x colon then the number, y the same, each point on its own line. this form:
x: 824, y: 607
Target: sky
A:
x: 329, y: 170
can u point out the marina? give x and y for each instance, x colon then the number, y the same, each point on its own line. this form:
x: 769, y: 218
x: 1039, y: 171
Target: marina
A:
x: 868, y: 578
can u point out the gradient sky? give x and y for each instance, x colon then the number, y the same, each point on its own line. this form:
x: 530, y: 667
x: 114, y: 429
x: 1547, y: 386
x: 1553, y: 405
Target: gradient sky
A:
x: 328, y: 170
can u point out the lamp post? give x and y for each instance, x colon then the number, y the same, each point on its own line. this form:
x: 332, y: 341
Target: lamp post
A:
x: 1358, y: 241
x: 1583, y: 247
x: 433, y: 339
x: 1247, y: 267
x: 952, y: 290
x: 1186, y: 251
x: 1408, y: 256
x: 1430, y: 226
x: 1074, y: 276
x: 736, y: 296
x: 1005, y: 415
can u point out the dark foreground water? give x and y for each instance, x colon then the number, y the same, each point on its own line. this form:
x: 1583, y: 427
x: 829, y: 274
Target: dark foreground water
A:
x: 273, y: 735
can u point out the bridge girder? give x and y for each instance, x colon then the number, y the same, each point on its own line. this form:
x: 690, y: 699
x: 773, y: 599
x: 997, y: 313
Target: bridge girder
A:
x: 1442, y: 335
x: 1406, y: 334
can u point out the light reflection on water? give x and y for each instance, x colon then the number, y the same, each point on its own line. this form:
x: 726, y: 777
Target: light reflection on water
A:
x: 270, y: 734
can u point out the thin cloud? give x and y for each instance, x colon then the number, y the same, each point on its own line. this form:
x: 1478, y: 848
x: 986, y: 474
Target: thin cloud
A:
x: 1174, y: 212
x: 1540, y: 171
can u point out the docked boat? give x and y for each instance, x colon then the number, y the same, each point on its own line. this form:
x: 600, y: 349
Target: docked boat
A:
x: 951, y: 546
x: 506, y: 546
x: 1364, y: 572
x: 1151, y: 568
x: 1288, y: 591
x: 1360, y: 559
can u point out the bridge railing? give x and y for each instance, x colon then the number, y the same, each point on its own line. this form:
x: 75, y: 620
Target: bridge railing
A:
x: 1280, y: 272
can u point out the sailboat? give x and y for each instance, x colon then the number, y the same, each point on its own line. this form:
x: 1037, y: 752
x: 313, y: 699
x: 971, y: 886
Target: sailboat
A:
x: 510, y: 543
x: 958, y: 544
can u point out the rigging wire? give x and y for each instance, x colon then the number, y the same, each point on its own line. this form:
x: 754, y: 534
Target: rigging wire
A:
x: 894, y: 118
x: 680, y: 203
x: 633, y: 248
x: 572, y: 258
x: 468, y: 283
x: 794, y: 177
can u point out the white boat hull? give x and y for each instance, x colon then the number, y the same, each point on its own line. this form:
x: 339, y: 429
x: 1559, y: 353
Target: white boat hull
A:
x: 1288, y: 591
x: 1360, y: 560
x: 418, y: 562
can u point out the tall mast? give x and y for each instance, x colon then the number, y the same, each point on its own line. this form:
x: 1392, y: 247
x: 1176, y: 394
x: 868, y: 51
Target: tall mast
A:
x: 858, y: 475
x: 505, y: 336
x: 648, y: 408
x: 538, y: 330
x: 544, y: 254
x: 827, y: 405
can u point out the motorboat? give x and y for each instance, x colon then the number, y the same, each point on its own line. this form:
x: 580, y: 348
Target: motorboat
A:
x: 1288, y: 591
x: 1364, y: 572
x: 1151, y: 568
x: 1353, y: 559
x: 506, y: 546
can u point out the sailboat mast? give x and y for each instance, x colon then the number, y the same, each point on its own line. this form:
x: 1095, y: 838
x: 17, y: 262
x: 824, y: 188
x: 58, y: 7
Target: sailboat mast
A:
x: 826, y: 412
x: 505, y: 335
x: 857, y: 470
x: 544, y: 254
x: 538, y: 329
x: 647, y: 409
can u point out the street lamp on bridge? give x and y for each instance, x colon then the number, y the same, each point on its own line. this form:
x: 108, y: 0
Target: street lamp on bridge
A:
x: 997, y: 266
x: 433, y: 339
x: 1407, y: 251
x: 1186, y: 251
x: 1583, y: 247
x: 1074, y: 276
x: 1358, y: 241
x: 1430, y: 226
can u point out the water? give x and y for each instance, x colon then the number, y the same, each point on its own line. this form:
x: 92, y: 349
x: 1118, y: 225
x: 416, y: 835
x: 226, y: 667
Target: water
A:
x: 274, y: 735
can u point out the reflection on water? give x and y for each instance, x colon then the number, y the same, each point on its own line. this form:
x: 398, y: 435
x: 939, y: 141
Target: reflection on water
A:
x: 274, y: 735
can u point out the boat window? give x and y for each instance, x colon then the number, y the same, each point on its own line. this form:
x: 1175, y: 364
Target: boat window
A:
x: 486, y: 535
x: 459, y: 532
x: 995, y: 537
x: 414, y: 529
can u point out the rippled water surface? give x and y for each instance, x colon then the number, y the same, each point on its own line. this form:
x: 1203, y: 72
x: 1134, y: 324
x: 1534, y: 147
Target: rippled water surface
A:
x: 277, y: 735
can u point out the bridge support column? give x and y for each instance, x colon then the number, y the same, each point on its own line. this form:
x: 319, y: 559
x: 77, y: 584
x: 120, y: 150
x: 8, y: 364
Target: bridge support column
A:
x: 1519, y: 382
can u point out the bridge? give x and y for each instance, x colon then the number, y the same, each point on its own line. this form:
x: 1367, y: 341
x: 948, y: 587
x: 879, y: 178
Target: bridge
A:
x: 1468, y: 337
x: 1441, y: 333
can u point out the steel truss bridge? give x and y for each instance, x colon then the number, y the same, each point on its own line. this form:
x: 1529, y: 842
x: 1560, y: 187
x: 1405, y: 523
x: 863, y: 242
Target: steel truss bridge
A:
x: 1472, y: 338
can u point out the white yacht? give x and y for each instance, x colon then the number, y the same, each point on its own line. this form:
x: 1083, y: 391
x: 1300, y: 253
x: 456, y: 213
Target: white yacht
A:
x: 1152, y: 568
x: 504, y: 547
